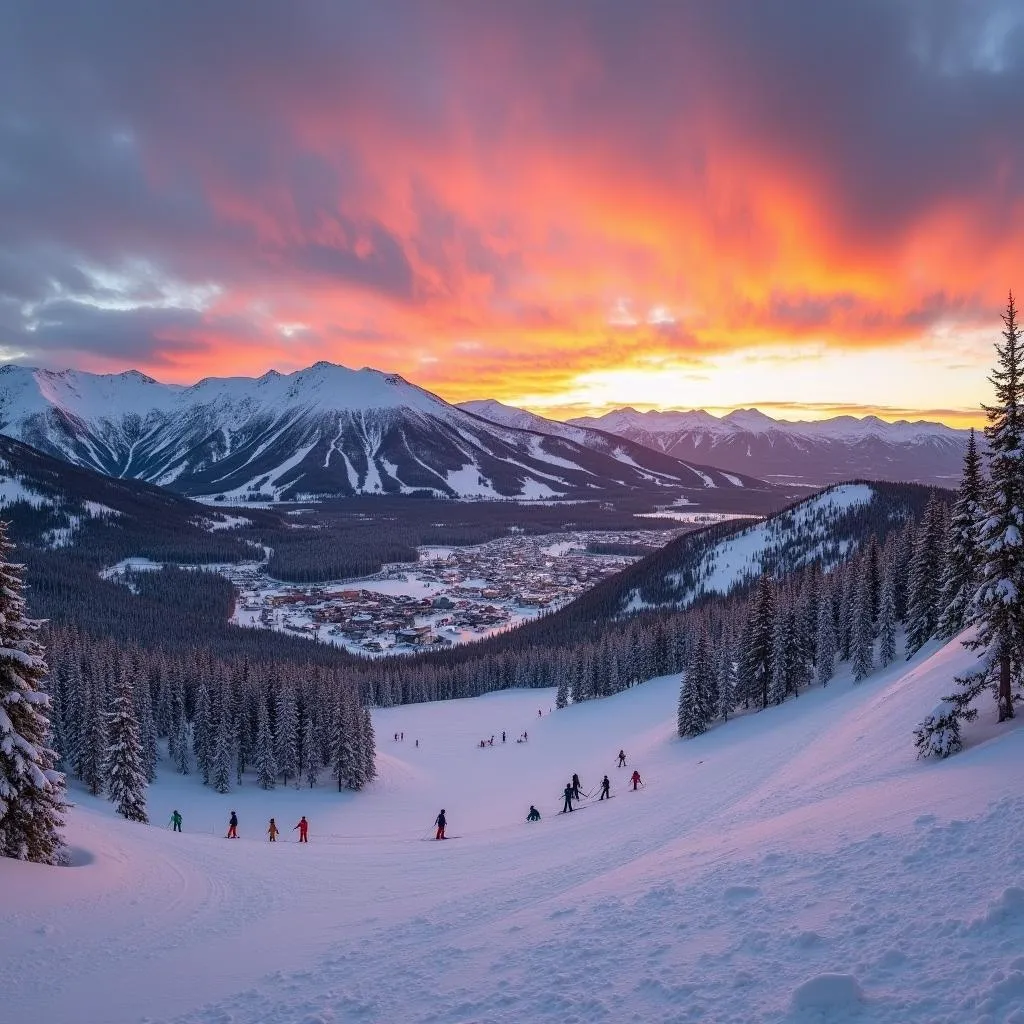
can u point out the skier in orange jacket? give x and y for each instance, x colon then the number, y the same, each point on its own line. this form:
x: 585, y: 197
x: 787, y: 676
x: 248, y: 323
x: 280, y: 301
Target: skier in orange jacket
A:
x: 303, y: 827
x: 635, y: 779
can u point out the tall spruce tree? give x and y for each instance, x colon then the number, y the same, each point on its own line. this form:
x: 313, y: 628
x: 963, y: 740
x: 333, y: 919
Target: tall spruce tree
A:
x: 757, y: 658
x: 1000, y: 601
x: 287, y: 733
x: 696, y: 694
x: 31, y: 790
x: 887, y: 618
x: 266, y: 762
x: 925, y: 589
x: 827, y: 639
x: 124, y: 767
x: 863, y: 653
x: 964, y: 553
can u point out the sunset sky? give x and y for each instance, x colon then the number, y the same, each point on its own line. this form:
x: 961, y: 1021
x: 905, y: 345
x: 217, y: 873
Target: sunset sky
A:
x: 804, y: 206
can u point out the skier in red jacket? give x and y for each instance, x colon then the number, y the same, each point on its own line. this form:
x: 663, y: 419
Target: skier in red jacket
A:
x: 635, y: 779
x: 303, y: 827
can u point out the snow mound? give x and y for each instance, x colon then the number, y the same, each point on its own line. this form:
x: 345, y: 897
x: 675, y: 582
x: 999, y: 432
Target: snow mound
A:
x: 1007, y: 910
x: 834, y: 995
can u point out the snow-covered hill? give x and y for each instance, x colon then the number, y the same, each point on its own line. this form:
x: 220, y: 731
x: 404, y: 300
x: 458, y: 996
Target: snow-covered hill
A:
x: 816, y: 453
x: 326, y: 430
x: 795, y: 865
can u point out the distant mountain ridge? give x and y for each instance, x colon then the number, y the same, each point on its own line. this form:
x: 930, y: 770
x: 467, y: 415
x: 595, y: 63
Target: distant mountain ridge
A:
x: 812, y: 453
x: 320, y: 432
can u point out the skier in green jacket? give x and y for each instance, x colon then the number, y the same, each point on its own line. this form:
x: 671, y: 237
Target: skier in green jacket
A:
x: 175, y: 821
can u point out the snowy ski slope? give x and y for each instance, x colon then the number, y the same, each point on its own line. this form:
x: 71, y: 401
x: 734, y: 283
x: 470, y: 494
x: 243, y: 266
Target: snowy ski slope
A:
x: 794, y: 865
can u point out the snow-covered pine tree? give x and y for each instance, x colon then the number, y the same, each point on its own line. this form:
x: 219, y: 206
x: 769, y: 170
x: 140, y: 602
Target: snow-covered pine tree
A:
x: 999, y: 609
x: 183, y: 747
x: 925, y: 587
x: 887, y: 618
x: 147, y: 722
x: 562, y: 696
x: 725, y: 698
x: 369, y: 747
x: 92, y: 745
x: 697, y: 692
x: 287, y: 732
x: 964, y: 554
x: 202, y: 733
x: 31, y: 790
x: 757, y: 659
x: 826, y: 665
x: 863, y: 647
x: 345, y: 760
x: 780, y: 640
x: 266, y: 762
x: 939, y: 734
x: 310, y: 750
x: 124, y: 767
x: 223, y: 747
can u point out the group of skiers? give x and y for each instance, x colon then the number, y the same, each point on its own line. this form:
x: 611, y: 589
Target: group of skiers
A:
x: 504, y: 738
x: 573, y: 790
x: 272, y: 830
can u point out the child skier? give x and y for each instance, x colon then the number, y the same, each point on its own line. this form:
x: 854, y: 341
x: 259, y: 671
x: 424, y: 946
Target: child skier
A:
x: 442, y: 823
x: 635, y: 779
x: 175, y: 821
x: 233, y: 826
x: 567, y: 793
x: 303, y: 827
x: 622, y: 758
x: 534, y: 814
x: 605, y: 789
x: 273, y: 831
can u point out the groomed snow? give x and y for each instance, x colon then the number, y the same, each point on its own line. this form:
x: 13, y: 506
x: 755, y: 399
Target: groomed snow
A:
x: 794, y: 865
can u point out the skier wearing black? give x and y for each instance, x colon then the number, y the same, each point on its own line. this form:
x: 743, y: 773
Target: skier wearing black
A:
x: 442, y: 823
x: 622, y: 758
x: 567, y: 793
x: 575, y: 787
x: 534, y: 814
x: 502, y: 735
x: 233, y: 826
x: 605, y: 789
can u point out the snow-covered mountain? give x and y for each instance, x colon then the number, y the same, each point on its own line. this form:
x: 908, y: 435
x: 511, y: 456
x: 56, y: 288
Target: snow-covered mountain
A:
x: 323, y: 431
x: 842, y: 448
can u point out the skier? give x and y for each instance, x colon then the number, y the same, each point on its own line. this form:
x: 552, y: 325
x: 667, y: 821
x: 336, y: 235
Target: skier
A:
x: 622, y: 758
x: 539, y: 712
x: 526, y: 736
x: 233, y: 826
x: 534, y: 814
x: 175, y: 821
x: 635, y: 779
x: 272, y: 831
x: 502, y: 735
x: 303, y: 827
x: 402, y: 735
x: 605, y: 789
x: 575, y: 787
x: 567, y: 793
x: 441, y: 822
x: 417, y: 743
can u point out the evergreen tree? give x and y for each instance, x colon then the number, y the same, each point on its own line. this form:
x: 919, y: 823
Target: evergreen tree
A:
x: 760, y: 641
x: 887, y: 619
x: 826, y: 644
x: 147, y: 722
x: 124, y: 767
x: 345, y: 760
x: 310, y: 751
x: 925, y: 587
x: 964, y: 554
x: 1000, y: 601
x: 31, y: 790
x: 863, y: 629
x: 266, y: 763
x: 223, y: 750
x: 287, y: 733
x: 92, y: 747
x: 202, y: 733
x: 182, y: 744
x: 939, y: 734
x: 562, y: 696
x: 369, y: 747
x: 696, y: 694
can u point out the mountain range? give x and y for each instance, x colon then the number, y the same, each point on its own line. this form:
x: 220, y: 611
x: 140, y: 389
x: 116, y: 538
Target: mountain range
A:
x: 322, y: 432
x: 811, y: 453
